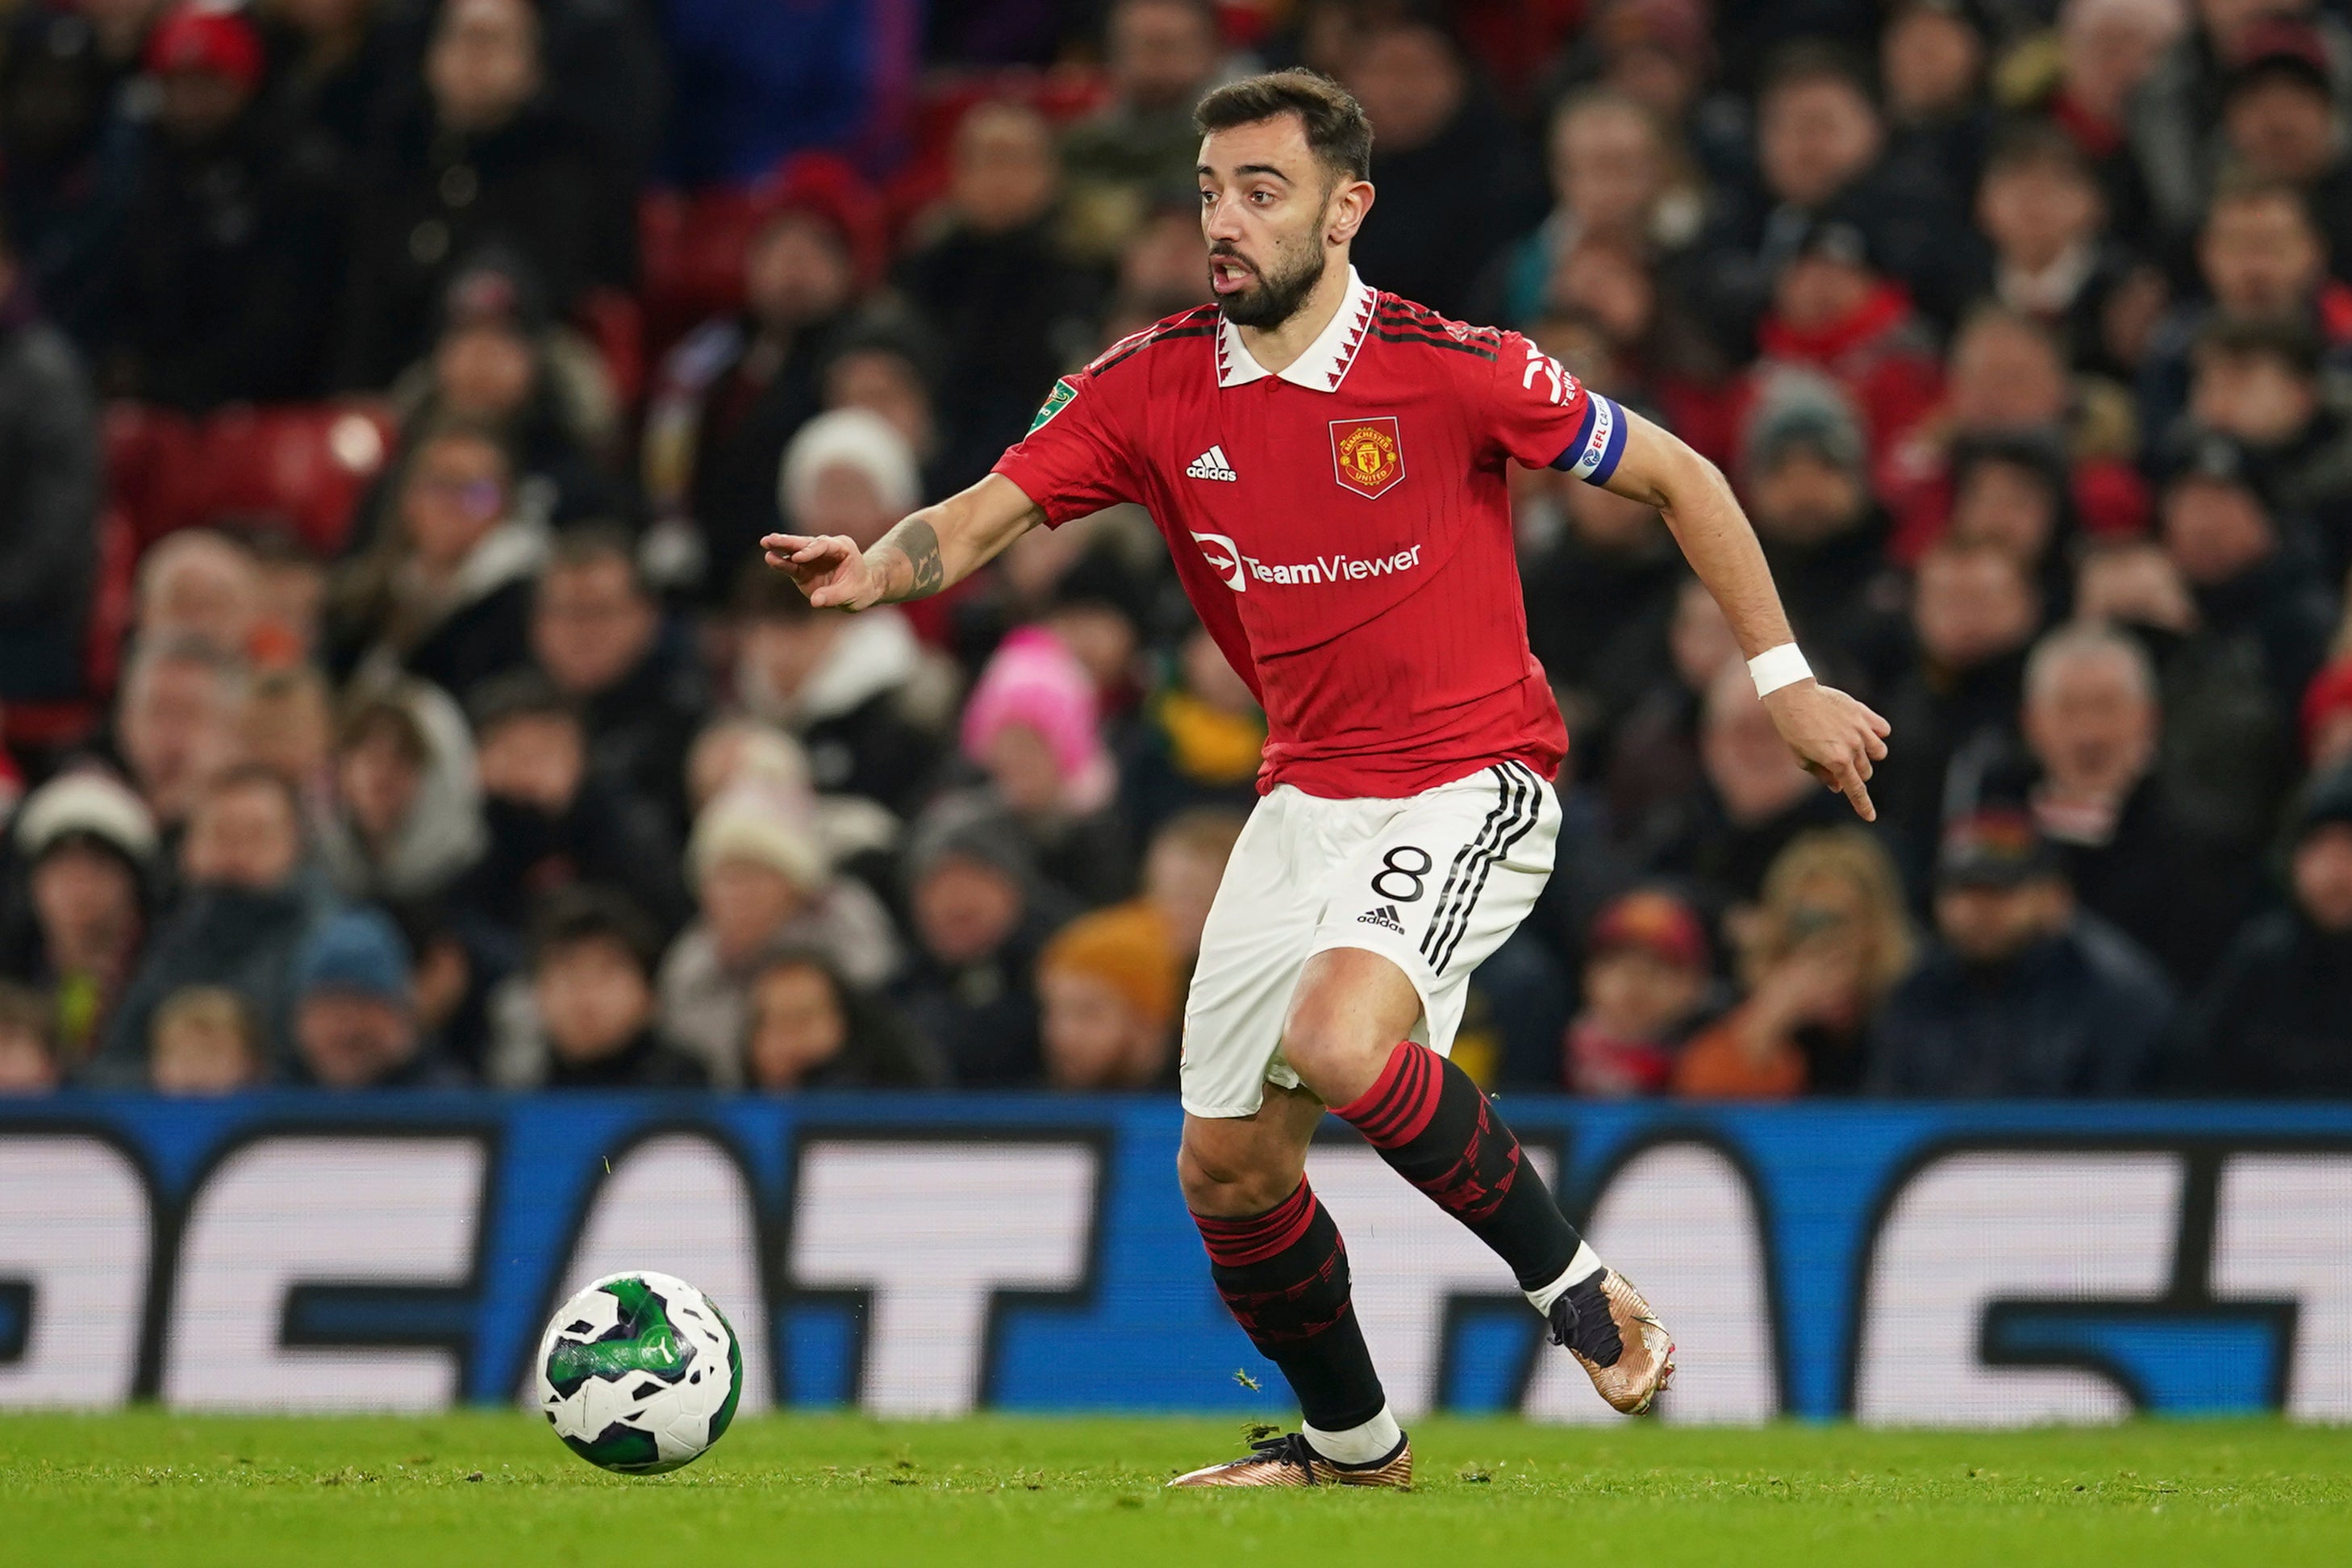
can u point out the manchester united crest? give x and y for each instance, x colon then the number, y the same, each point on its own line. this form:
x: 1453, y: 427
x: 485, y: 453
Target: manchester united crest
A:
x: 1366, y: 455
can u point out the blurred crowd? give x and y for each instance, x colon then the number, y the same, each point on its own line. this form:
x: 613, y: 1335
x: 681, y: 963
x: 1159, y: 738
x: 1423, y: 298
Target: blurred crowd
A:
x: 392, y: 392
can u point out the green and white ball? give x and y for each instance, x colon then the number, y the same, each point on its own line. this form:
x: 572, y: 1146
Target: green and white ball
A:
x: 639, y: 1373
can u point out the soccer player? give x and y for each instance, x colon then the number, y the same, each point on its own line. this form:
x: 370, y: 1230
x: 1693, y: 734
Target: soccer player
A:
x: 1327, y: 465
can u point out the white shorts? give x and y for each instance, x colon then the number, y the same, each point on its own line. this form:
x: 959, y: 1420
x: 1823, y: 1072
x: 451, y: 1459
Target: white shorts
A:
x: 1432, y: 883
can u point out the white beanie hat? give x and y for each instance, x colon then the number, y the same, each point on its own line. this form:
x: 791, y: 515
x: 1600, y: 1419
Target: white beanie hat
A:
x: 863, y: 440
x: 762, y: 825
x: 90, y: 802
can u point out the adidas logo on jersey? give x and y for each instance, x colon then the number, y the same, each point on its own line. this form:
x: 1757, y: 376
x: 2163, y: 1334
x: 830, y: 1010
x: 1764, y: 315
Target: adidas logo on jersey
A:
x: 1212, y: 465
x: 1385, y: 917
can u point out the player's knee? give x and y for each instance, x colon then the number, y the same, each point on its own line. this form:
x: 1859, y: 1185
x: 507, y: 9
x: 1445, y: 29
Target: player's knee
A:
x: 1227, y: 1182
x: 1332, y: 1050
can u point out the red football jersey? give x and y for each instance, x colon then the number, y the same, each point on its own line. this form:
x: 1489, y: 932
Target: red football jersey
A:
x: 1343, y: 528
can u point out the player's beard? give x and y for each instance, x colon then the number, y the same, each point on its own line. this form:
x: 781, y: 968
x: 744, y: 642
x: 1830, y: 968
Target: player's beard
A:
x: 1274, y: 297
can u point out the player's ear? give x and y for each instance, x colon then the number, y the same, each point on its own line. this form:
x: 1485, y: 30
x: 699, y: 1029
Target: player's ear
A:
x: 1344, y: 212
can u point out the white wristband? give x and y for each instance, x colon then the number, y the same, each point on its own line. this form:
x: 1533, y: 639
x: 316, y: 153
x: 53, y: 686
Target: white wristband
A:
x: 1777, y: 667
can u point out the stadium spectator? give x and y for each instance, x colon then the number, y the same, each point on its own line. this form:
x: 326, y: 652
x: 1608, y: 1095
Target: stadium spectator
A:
x: 854, y: 691
x: 2277, y: 1018
x: 335, y: 64
x: 1974, y: 612
x: 1031, y: 726
x: 1653, y: 765
x: 479, y: 159
x: 1820, y: 149
x: 2106, y: 49
x: 598, y: 634
x: 590, y: 1018
x: 1834, y: 309
x: 763, y: 884
x: 48, y: 497
x: 1831, y: 938
x: 2022, y: 994
x: 730, y: 397
x: 2262, y: 256
x: 2092, y: 722
x: 247, y: 909
x: 29, y: 1056
x: 851, y: 471
x: 200, y: 585
x: 1804, y: 475
x: 204, y: 1043
x: 1931, y: 67
x: 1009, y: 309
x: 71, y: 161
x: 2280, y: 122
x: 176, y: 724
x: 2262, y: 383
x: 1433, y: 232
x: 1617, y: 174
x: 2044, y: 212
x: 1107, y: 993
x: 87, y: 846
x: 1646, y: 981
x: 1599, y: 594
x: 287, y: 726
x: 978, y: 925
x: 498, y: 362
x: 2010, y: 490
x: 553, y: 821
x: 405, y: 821
x: 355, y: 1024
x: 882, y: 364
x: 810, y: 1029
x: 2179, y: 113
x: 2261, y: 621
x: 1160, y: 57
x: 1754, y: 800
x: 445, y: 594
x: 293, y: 620
x: 227, y: 290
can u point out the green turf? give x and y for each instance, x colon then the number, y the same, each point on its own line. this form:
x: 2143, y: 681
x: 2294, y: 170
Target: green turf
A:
x: 150, y: 1487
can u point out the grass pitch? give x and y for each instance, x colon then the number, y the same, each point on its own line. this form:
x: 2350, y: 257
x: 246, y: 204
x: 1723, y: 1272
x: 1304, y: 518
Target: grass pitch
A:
x: 149, y: 1487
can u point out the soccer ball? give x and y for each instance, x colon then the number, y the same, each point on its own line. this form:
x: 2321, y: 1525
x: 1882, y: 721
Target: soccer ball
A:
x: 640, y: 1373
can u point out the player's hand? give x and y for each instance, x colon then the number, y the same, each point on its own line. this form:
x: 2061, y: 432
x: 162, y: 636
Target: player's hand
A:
x: 1837, y: 739
x: 829, y: 568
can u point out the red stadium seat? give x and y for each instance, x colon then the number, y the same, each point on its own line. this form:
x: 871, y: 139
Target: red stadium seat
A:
x: 305, y: 463
x: 615, y: 323
x: 692, y: 247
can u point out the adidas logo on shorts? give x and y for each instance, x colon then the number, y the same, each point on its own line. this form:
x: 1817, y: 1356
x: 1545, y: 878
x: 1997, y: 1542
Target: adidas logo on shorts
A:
x: 1385, y: 917
x: 1212, y: 465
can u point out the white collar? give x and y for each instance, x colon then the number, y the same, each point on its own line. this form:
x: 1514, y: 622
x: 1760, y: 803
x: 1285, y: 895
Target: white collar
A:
x: 1324, y: 364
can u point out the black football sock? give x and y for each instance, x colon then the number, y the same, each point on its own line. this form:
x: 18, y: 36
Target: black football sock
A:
x: 1284, y: 1276
x: 1436, y: 1131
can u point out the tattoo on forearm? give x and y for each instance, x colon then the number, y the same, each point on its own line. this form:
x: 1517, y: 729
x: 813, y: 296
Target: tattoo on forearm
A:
x: 917, y: 543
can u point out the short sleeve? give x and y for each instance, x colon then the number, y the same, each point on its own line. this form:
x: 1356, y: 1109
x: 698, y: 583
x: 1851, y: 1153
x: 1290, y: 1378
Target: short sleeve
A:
x: 1074, y: 460
x: 1543, y: 417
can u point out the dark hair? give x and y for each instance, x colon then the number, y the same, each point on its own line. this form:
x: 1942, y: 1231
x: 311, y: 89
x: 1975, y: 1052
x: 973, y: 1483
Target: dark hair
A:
x: 1810, y: 60
x: 588, y: 543
x: 2290, y: 342
x: 2237, y: 185
x: 256, y: 775
x: 522, y: 694
x: 575, y: 916
x: 1337, y: 131
x: 2037, y: 145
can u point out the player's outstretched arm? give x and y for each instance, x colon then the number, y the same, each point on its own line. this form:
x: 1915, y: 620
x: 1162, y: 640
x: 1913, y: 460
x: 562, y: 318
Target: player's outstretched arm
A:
x: 930, y: 549
x: 1836, y: 738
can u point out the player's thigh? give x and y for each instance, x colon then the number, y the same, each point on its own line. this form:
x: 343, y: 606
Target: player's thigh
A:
x: 1260, y: 927
x: 1443, y: 883
x: 1235, y: 1165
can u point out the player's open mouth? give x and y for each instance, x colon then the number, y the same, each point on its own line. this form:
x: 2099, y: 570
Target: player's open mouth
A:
x: 1230, y: 274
